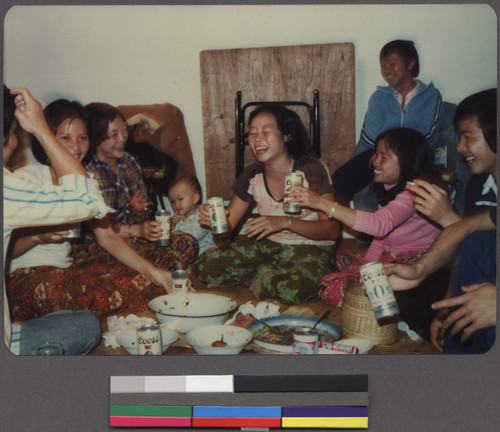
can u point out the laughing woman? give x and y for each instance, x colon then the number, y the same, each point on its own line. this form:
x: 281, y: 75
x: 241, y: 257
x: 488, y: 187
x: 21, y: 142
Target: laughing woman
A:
x: 47, y: 273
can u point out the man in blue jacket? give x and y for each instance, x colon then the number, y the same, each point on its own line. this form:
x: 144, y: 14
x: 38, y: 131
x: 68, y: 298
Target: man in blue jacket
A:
x: 405, y: 102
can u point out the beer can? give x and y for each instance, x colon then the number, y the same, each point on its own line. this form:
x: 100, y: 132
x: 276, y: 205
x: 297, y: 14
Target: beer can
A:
x: 291, y: 179
x: 163, y: 216
x: 180, y: 282
x: 305, y: 342
x: 218, y: 220
x: 149, y: 340
x: 379, y: 291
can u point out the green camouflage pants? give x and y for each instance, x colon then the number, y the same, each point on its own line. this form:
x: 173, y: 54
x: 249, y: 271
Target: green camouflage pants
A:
x: 289, y: 273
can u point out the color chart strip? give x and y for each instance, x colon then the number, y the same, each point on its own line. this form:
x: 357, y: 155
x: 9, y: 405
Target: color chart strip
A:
x: 239, y: 384
x: 224, y: 401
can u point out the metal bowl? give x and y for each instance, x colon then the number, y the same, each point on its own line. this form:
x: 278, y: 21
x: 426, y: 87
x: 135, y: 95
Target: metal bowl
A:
x: 185, y: 312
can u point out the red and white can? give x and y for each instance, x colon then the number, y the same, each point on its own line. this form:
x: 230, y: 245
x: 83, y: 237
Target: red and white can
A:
x: 149, y: 340
x: 180, y: 282
x: 217, y: 210
x: 379, y: 291
x: 291, y: 179
x: 305, y: 342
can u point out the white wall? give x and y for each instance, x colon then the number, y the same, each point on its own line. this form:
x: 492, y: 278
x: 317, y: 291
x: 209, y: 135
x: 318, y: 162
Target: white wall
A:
x: 150, y: 54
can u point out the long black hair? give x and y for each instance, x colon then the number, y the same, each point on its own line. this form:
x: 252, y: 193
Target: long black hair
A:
x: 415, y: 160
x: 289, y: 123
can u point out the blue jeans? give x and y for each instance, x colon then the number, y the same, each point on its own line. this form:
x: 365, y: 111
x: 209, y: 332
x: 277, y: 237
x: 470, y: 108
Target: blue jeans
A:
x: 475, y: 263
x: 78, y: 332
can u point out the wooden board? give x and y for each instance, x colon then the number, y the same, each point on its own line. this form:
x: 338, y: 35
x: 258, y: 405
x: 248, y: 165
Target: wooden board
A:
x: 274, y: 74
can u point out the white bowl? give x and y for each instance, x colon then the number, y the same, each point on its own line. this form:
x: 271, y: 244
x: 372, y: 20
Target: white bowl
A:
x: 201, y: 339
x: 128, y: 339
x: 185, y: 312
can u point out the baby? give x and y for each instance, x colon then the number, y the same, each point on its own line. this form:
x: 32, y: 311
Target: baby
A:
x: 185, y: 196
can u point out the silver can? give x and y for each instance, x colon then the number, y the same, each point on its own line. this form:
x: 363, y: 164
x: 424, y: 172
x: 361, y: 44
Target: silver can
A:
x: 291, y: 179
x: 180, y: 282
x: 379, y: 291
x: 218, y: 220
x: 149, y: 340
x: 305, y: 342
x: 163, y: 216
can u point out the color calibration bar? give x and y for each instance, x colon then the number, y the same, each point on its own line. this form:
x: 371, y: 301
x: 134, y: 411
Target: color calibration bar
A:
x: 279, y: 401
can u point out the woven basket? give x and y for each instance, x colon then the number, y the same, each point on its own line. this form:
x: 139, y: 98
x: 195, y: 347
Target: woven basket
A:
x: 359, y: 321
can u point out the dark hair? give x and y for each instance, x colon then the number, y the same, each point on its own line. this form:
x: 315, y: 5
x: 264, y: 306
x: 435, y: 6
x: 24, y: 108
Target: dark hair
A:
x: 56, y: 113
x: 415, y: 160
x: 192, y: 182
x: 9, y: 107
x: 289, y: 123
x: 99, y: 115
x: 406, y: 49
x: 482, y: 106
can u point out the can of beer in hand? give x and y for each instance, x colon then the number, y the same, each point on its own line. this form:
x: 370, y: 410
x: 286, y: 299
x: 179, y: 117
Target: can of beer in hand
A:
x: 149, y: 340
x: 379, y: 291
x: 180, y: 282
x: 305, y: 342
x: 163, y: 216
x: 218, y: 220
x: 291, y: 179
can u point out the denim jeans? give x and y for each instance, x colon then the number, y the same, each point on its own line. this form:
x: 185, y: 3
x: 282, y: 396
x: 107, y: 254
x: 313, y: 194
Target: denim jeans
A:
x: 475, y: 263
x: 78, y: 331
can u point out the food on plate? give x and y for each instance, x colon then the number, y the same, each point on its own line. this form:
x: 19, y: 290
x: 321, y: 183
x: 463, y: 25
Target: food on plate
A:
x: 219, y: 343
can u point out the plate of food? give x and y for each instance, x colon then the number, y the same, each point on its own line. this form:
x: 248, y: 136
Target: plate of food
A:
x: 283, y: 341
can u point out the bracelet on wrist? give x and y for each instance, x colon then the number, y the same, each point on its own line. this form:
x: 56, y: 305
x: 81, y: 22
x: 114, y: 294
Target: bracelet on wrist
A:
x: 289, y: 223
x: 332, y: 211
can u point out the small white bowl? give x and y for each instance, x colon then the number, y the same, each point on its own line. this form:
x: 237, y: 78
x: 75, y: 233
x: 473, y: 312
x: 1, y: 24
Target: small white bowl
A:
x: 185, y: 312
x: 201, y: 339
x: 128, y: 339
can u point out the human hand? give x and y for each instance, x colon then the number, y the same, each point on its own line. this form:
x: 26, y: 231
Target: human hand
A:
x: 54, y: 237
x: 403, y: 276
x: 150, y: 230
x: 139, y: 202
x: 437, y: 330
x: 29, y: 111
x: 477, y: 309
x: 433, y: 202
x: 262, y: 226
x: 162, y: 278
x: 307, y: 198
x: 176, y: 218
x: 204, y: 216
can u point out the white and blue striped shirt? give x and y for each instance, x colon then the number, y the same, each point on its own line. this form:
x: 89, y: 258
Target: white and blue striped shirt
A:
x: 27, y: 203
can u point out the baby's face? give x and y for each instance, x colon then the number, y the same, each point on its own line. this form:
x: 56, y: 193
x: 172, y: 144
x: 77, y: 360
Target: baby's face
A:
x: 183, y: 199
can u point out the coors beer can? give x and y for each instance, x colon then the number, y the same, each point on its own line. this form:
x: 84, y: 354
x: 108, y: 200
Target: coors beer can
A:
x: 379, y: 291
x: 218, y: 220
x: 305, y: 342
x: 163, y: 216
x: 291, y: 179
x: 149, y: 340
x: 180, y: 282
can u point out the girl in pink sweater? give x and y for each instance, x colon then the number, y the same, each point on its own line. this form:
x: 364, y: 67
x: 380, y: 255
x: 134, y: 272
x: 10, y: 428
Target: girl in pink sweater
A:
x: 401, y: 234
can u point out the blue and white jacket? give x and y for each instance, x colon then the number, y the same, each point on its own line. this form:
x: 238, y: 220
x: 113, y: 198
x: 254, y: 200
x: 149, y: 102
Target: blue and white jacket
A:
x: 384, y: 112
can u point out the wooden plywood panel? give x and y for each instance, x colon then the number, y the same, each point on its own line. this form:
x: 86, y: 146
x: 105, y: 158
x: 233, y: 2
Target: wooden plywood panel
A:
x: 273, y: 74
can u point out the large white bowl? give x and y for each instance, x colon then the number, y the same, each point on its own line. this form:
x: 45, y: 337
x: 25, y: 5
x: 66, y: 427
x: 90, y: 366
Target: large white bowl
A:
x: 201, y: 339
x: 128, y: 339
x: 185, y: 312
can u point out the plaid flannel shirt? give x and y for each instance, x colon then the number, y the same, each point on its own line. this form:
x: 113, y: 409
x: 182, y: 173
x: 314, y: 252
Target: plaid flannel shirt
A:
x: 117, y: 189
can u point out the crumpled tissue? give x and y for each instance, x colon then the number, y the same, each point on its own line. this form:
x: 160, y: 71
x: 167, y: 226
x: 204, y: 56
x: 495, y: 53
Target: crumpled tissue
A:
x: 118, y: 325
x: 261, y: 310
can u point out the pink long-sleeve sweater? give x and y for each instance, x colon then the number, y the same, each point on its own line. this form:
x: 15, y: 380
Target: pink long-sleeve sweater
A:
x: 397, y: 228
